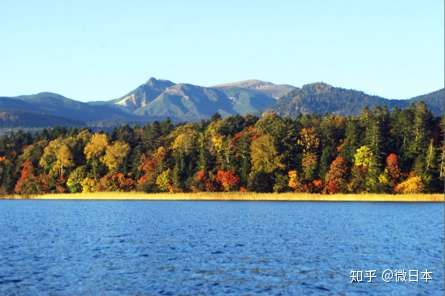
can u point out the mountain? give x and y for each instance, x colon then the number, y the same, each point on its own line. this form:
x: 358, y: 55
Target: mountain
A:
x: 187, y: 102
x: 57, y: 110
x: 247, y: 101
x: 267, y: 88
x: 253, y: 96
x: 143, y: 94
x: 435, y: 101
x: 322, y: 98
x: 11, y: 119
x: 160, y: 99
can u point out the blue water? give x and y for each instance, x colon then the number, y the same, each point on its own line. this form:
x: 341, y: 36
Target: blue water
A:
x: 216, y: 248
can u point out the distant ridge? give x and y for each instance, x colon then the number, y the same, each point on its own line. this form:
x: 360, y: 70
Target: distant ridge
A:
x: 274, y: 90
x: 435, y: 101
x: 322, y: 98
x: 159, y: 99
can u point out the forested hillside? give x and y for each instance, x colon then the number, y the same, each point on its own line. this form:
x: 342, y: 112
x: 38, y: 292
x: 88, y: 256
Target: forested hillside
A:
x: 398, y: 151
x: 181, y: 102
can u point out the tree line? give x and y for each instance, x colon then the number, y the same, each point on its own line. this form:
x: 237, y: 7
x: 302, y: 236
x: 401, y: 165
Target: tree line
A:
x: 398, y: 151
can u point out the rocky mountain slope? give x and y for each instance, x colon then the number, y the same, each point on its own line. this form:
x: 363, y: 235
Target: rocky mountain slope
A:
x: 160, y: 99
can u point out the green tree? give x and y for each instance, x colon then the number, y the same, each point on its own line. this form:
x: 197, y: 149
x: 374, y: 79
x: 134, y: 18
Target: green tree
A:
x: 421, y: 133
x: 74, y: 182
x: 431, y: 173
x: 264, y: 156
x: 352, y: 140
x: 163, y: 181
x: 365, y: 177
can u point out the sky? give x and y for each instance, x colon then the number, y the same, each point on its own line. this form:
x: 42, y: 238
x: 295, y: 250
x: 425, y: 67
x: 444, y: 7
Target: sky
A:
x: 101, y: 50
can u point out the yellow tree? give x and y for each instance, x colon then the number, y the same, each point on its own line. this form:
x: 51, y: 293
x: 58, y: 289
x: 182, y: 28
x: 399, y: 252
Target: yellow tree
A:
x: 364, y: 171
x: 185, y: 139
x: 96, y: 146
x: 363, y: 157
x: 185, y: 147
x: 411, y: 185
x: 57, y: 157
x: 294, y: 183
x: 95, y: 149
x: 218, y: 145
x: 64, y: 158
x: 83, y: 136
x: 115, y: 155
x: 163, y: 181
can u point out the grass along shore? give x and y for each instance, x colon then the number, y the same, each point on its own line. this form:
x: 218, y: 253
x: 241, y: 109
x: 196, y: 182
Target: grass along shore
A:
x: 234, y: 196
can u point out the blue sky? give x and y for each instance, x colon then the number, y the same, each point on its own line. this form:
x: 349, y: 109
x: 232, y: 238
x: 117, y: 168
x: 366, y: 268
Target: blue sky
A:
x: 99, y: 50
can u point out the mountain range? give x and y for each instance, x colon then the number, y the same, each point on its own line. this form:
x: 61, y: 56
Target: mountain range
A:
x: 160, y: 99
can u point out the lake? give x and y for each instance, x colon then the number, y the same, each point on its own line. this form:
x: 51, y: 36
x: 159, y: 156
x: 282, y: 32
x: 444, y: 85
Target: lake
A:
x: 218, y: 248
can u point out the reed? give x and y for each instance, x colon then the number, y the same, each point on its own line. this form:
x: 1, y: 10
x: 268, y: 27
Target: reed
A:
x: 235, y: 196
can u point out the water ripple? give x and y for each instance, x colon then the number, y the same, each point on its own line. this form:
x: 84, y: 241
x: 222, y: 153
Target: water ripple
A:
x: 212, y: 248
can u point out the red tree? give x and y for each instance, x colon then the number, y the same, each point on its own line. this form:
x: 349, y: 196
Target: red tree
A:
x: 147, y: 166
x: 392, y: 168
x: 115, y: 182
x: 335, y: 178
x: 28, y: 183
x: 199, y: 181
x: 227, y: 179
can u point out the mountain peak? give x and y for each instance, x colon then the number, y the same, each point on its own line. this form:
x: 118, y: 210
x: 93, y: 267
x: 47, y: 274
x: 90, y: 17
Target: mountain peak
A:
x: 45, y: 97
x: 152, y: 81
x: 143, y: 94
x: 48, y: 93
x: 318, y: 87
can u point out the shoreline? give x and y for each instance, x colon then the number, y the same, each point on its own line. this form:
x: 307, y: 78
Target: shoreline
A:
x: 233, y: 196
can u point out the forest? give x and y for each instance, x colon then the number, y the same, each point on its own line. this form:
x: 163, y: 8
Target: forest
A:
x: 378, y: 151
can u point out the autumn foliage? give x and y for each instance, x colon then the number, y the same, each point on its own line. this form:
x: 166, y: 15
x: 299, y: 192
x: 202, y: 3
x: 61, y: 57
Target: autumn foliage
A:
x: 378, y: 151
x: 28, y: 183
x: 336, y: 178
x: 393, y: 169
x: 227, y: 179
x: 411, y: 185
